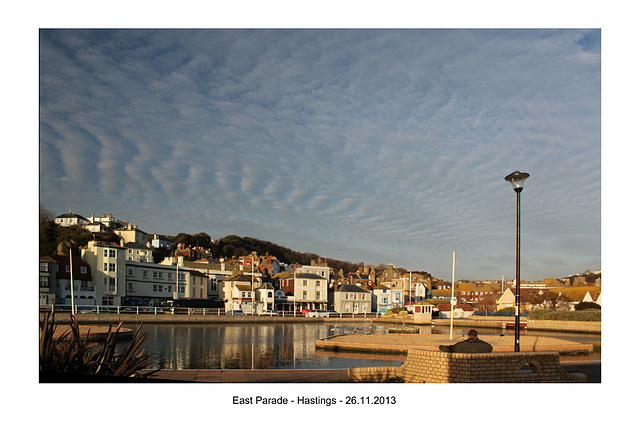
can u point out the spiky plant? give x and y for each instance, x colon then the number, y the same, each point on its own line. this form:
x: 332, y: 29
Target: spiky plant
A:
x: 69, y: 353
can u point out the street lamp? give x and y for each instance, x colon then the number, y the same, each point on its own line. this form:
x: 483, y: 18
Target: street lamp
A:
x: 517, y: 181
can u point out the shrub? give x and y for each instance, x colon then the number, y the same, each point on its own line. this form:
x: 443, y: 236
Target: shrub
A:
x: 587, y: 305
x: 69, y: 354
x: 587, y: 315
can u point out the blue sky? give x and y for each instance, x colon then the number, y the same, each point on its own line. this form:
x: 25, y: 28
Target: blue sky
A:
x: 371, y: 146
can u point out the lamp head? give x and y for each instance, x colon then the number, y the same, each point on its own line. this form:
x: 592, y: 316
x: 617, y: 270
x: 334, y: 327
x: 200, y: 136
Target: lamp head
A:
x: 517, y: 180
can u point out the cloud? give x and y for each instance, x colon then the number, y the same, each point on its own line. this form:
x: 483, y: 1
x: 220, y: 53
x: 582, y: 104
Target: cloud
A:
x: 373, y: 145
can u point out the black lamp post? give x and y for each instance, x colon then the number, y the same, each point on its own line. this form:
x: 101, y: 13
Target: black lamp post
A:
x: 517, y: 181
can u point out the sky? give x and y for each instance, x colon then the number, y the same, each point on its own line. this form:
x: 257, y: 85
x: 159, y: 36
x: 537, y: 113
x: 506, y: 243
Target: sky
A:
x: 373, y: 146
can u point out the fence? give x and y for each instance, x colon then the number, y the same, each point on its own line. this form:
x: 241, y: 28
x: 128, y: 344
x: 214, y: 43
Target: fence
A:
x: 143, y: 310
x: 498, y: 313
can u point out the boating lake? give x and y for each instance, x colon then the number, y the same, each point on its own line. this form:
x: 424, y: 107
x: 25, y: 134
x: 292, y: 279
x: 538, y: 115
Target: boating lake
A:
x: 290, y: 345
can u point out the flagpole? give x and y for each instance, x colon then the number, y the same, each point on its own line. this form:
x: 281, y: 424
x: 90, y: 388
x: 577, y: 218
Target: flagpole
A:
x: 73, y: 311
x: 453, y: 283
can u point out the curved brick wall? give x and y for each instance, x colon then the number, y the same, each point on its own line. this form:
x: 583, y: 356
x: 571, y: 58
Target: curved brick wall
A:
x: 424, y: 366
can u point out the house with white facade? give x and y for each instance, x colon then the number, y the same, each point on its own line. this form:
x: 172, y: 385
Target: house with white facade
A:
x: 265, y: 298
x: 107, y: 262
x: 384, y: 298
x: 311, y: 291
x: 215, y: 271
x: 71, y: 219
x: 421, y: 291
x: 460, y: 311
x: 161, y: 242
x: 307, y: 288
x: 159, y: 283
x: 132, y: 234
x: 138, y: 252
x: 239, y: 292
x: 352, y: 299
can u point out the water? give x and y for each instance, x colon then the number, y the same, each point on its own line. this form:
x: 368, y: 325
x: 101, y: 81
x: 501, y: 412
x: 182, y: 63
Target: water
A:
x: 282, y: 346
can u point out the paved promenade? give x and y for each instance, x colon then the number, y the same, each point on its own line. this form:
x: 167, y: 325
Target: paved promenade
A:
x: 253, y: 375
x: 591, y: 369
x: 400, y: 343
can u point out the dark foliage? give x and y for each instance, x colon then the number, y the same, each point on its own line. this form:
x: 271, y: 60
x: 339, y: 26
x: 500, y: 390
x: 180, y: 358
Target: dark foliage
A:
x: 587, y: 306
x: 69, y: 354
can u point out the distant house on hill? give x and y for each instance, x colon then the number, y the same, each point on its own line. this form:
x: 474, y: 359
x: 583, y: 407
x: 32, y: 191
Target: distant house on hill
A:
x: 71, y: 219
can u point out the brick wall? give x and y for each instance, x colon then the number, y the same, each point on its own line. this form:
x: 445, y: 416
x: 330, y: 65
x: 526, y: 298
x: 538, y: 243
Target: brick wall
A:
x: 423, y: 366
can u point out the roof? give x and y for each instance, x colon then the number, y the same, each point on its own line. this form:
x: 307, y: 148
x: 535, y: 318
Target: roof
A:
x: 134, y: 245
x: 309, y: 276
x: 351, y: 288
x: 72, y: 215
x: 447, y: 307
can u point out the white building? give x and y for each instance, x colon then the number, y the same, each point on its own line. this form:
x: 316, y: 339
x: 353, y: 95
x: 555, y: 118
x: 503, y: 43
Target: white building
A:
x: 138, y: 252
x: 311, y: 290
x: 158, y: 283
x: 160, y: 242
x: 132, y: 234
x: 107, y: 262
x: 384, y: 298
x: 239, y: 292
x: 70, y: 219
x: 352, y: 299
x: 265, y: 298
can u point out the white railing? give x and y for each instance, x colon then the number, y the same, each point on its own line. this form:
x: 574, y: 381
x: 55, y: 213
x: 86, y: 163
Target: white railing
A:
x: 142, y: 310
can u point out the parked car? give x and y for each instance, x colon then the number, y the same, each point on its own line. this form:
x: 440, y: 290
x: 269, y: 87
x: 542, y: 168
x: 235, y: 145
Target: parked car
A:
x: 235, y: 313
x: 318, y: 313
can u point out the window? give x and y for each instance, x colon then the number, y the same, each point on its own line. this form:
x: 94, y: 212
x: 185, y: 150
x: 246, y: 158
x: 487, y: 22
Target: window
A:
x: 83, y: 270
x: 112, y: 267
x: 144, y: 274
x: 44, y: 281
x: 160, y: 275
x: 67, y: 268
x: 44, y: 266
x: 129, y: 286
x: 110, y: 284
x: 155, y: 274
x: 317, y: 282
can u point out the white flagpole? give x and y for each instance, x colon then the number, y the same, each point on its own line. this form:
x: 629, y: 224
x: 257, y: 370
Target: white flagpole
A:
x: 453, y: 283
x: 73, y: 310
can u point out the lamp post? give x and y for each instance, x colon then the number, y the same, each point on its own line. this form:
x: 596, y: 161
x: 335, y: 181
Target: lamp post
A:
x: 517, y: 181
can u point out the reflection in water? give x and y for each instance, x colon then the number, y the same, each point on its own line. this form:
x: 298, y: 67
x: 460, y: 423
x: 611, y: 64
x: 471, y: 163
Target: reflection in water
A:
x: 252, y: 346
x: 270, y: 346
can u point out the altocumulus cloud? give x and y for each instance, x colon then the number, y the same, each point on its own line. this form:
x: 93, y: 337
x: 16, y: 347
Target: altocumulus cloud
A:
x: 365, y: 145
